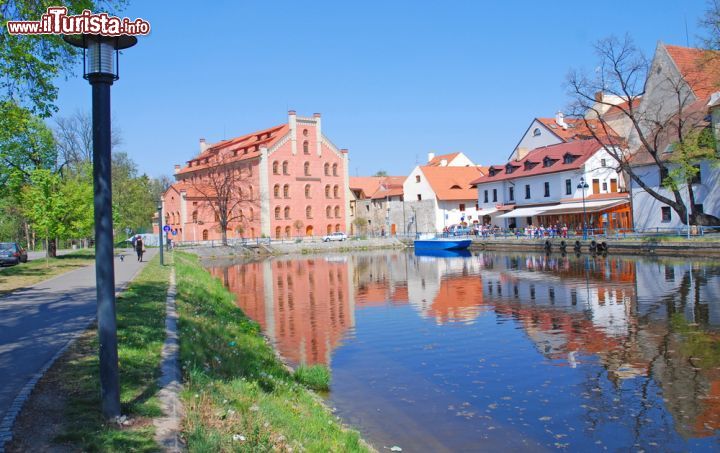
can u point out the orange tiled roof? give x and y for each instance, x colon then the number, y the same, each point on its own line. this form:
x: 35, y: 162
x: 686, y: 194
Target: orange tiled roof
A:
x: 435, y: 162
x: 239, y: 148
x: 699, y: 67
x: 617, y: 110
x: 452, y: 183
x: 576, y: 130
x: 582, y: 150
x: 377, y: 186
x: 191, y: 190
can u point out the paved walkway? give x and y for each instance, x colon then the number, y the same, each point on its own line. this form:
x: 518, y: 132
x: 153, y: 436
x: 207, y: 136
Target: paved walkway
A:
x: 36, y: 322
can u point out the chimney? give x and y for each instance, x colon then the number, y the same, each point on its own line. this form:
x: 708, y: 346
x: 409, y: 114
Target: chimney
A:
x: 443, y: 162
x: 431, y: 156
x: 560, y: 120
x: 203, y: 145
x: 292, y: 124
x: 177, y: 169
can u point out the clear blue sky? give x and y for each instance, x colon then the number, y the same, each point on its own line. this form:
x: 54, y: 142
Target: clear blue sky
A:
x: 392, y: 79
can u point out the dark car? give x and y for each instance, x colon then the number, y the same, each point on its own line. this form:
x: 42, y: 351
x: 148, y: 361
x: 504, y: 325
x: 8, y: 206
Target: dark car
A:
x: 11, y: 254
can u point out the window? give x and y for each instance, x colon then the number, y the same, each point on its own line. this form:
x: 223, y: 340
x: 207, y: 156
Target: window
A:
x: 604, y: 186
x: 603, y: 163
x: 419, y: 197
x: 337, y: 212
x: 287, y: 212
x: 252, y: 215
x: 307, y: 191
x: 285, y: 168
x: 275, y: 168
x: 327, y: 191
x: 276, y: 191
x: 337, y: 227
x: 511, y: 194
x: 536, y: 132
x: 306, y: 168
x: 194, y: 216
x: 547, y: 162
x: 613, y: 185
x: 334, y: 169
x: 286, y: 191
x: 417, y: 178
x: 277, y: 212
x: 568, y: 187
x: 308, y: 212
x: 486, y: 197
x: 327, y: 212
x: 665, y: 212
x: 327, y: 169
x: 306, y: 147
x: 336, y: 191
x: 527, y: 191
x: 494, y: 195
x: 547, y: 189
x: 462, y: 207
x: 287, y: 231
x: 697, y: 179
x: 305, y: 132
x: 569, y: 158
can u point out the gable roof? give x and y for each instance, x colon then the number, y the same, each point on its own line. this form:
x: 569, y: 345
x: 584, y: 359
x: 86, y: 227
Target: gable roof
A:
x: 699, y: 67
x: 375, y: 187
x: 576, y: 130
x: 238, y: 148
x: 582, y: 150
x: 437, y: 160
x: 452, y: 183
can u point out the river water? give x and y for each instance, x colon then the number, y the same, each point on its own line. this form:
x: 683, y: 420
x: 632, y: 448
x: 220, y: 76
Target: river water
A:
x: 497, y: 351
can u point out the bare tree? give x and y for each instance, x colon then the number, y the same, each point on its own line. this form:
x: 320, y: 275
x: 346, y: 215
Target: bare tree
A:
x: 226, y: 192
x: 73, y: 135
x: 672, y: 121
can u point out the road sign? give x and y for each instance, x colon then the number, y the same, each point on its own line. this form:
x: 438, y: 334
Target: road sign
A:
x: 174, y: 232
x: 166, y: 228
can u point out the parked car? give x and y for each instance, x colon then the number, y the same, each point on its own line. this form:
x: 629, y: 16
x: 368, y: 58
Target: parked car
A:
x: 11, y: 254
x: 335, y: 237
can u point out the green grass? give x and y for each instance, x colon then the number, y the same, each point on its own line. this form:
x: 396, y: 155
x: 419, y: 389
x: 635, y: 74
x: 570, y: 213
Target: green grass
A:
x: 238, y: 396
x: 34, y: 271
x: 141, y: 333
x: 316, y: 377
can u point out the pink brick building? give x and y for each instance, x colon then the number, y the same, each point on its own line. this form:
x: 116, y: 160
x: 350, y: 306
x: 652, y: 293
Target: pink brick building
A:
x: 293, y: 181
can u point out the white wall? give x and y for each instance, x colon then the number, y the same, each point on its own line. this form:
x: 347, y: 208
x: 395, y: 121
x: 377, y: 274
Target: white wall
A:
x: 530, y: 142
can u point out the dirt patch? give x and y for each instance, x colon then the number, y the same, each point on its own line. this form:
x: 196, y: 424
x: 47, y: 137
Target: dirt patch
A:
x: 41, y: 419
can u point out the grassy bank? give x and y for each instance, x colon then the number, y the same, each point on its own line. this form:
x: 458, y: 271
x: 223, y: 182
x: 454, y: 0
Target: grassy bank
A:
x: 238, y: 396
x: 26, y: 274
x: 66, y: 402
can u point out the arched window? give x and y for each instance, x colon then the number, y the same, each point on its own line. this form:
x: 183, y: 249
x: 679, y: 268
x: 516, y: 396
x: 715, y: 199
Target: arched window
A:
x: 327, y: 191
x: 286, y: 191
x: 277, y: 212
x: 327, y: 211
x: 334, y: 169
x: 177, y: 214
x: 327, y: 169
x: 306, y: 147
x: 285, y: 168
x: 307, y: 168
x: 250, y: 193
x: 278, y: 231
x: 308, y: 212
x: 205, y: 235
x: 275, y: 168
x: 337, y: 212
x: 337, y: 228
x: 287, y: 231
x: 329, y: 229
x: 252, y: 215
x: 336, y: 191
x: 287, y: 212
x: 307, y: 191
x: 276, y: 190
x: 167, y: 219
x: 536, y: 132
x: 194, y: 216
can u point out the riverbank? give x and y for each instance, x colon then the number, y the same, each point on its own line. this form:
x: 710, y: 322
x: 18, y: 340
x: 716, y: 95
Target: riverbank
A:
x: 237, y: 394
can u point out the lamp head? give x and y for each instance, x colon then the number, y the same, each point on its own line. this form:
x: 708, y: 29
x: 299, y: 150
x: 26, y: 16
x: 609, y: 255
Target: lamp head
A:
x: 101, y: 53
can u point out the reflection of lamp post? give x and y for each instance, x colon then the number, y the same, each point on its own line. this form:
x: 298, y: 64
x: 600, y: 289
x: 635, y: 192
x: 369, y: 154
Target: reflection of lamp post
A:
x: 100, y: 68
x: 583, y: 185
x: 160, y: 233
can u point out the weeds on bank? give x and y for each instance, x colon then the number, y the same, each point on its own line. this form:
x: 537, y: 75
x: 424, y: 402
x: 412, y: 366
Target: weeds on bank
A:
x: 238, y: 395
x: 141, y: 333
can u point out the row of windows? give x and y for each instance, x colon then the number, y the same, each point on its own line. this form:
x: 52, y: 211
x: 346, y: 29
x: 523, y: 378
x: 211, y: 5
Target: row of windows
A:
x: 546, y: 186
x: 308, y: 232
x: 329, y: 211
x: 306, y: 168
x: 286, y: 191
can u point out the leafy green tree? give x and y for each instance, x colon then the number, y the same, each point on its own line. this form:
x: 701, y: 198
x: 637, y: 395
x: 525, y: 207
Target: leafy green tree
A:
x: 380, y: 173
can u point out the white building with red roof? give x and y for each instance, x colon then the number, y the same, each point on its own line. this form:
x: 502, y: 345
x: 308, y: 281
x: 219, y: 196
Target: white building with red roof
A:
x: 542, y: 188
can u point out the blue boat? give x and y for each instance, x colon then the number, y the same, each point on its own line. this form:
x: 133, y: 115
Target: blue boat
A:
x: 442, y: 244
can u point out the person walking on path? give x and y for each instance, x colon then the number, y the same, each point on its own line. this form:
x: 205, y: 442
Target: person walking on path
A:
x: 139, y: 248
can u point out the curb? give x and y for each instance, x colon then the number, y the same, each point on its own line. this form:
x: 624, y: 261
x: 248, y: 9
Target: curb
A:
x: 8, y: 421
x: 167, y: 433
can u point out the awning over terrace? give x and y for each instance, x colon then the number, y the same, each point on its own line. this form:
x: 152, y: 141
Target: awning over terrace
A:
x: 573, y: 207
x: 523, y: 212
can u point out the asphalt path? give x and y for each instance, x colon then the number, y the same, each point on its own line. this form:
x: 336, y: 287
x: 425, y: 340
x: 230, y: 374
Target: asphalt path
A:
x: 37, y: 321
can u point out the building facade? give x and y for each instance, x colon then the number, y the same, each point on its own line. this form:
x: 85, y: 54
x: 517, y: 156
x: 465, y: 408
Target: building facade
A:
x: 286, y: 181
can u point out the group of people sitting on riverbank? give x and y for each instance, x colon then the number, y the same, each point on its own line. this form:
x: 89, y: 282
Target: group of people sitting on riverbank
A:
x: 551, y: 231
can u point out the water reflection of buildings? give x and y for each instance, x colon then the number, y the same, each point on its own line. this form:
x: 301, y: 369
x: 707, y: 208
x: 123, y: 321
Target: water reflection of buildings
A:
x: 619, y: 311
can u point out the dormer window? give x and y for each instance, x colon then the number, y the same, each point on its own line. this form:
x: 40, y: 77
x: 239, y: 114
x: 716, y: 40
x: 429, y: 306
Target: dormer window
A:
x: 509, y: 168
x: 569, y: 158
x: 547, y: 161
x: 455, y: 187
x: 537, y: 132
x: 492, y: 171
x: 529, y: 165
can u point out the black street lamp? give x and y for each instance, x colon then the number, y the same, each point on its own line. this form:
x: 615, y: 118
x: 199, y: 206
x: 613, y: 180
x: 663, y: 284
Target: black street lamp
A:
x: 160, y: 232
x: 100, y: 68
x: 583, y: 185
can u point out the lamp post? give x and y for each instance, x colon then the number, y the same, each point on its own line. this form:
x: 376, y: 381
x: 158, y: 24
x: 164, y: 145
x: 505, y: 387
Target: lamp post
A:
x: 100, y: 68
x: 583, y: 185
x: 160, y: 233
